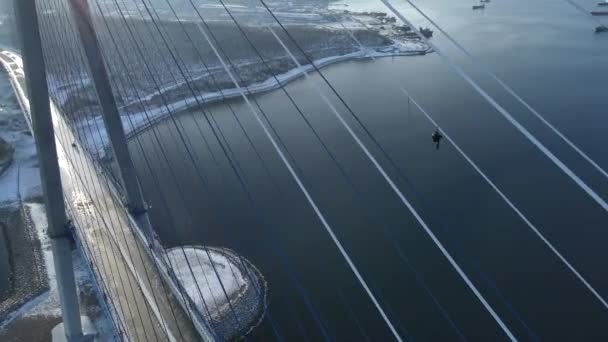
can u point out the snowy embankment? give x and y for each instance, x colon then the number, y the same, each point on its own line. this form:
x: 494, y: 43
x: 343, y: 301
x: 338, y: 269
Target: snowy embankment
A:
x: 228, y: 289
x: 96, y: 140
x: 19, y: 183
x: 46, y: 307
x: 33, y: 308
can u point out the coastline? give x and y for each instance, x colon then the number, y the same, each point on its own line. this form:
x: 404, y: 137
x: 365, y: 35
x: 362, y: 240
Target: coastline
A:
x: 268, y: 85
x: 138, y: 122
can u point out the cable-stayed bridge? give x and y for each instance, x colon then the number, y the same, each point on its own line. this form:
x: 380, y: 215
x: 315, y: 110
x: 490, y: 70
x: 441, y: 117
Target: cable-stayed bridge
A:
x: 170, y: 208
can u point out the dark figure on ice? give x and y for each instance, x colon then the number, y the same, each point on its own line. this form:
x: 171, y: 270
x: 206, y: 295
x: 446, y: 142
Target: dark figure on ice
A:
x: 436, y: 137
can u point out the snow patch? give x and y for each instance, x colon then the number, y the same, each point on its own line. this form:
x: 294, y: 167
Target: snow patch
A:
x: 232, y: 298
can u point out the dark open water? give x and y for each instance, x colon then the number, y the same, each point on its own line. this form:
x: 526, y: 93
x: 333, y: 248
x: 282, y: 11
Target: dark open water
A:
x: 547, y: 52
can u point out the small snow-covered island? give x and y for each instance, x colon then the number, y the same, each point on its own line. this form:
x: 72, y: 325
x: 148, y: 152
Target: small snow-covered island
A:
x: 227, y: 289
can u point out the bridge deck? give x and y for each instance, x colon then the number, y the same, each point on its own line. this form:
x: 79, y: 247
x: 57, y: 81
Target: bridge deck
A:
x: 144, y: 307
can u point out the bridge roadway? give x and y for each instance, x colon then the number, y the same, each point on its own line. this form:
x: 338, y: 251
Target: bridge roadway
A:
x: 143, y: 306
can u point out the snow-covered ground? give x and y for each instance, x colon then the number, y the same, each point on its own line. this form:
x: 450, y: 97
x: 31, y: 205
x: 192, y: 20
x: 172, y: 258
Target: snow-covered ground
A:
x: 24, y: 166
x: 20, y: 189
x: 46, y: 306
x: 18, y: 183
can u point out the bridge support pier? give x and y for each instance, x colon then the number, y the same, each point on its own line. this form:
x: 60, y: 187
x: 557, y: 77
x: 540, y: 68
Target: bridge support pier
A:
x: 44, y: 136
x: 89, y: 333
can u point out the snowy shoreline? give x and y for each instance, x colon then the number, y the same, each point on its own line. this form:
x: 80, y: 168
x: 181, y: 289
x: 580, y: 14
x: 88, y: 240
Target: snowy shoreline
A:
x: 398, y: 49
x: 138, y: 122
x: 35, y: 303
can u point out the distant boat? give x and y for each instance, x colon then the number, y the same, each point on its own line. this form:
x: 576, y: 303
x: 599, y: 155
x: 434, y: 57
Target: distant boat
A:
x: 601, y: 29
x: 478, y: 7
x: 605, y: 3
x: 426, y: 32
x: 487, y: 1
x: 599, y: 12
